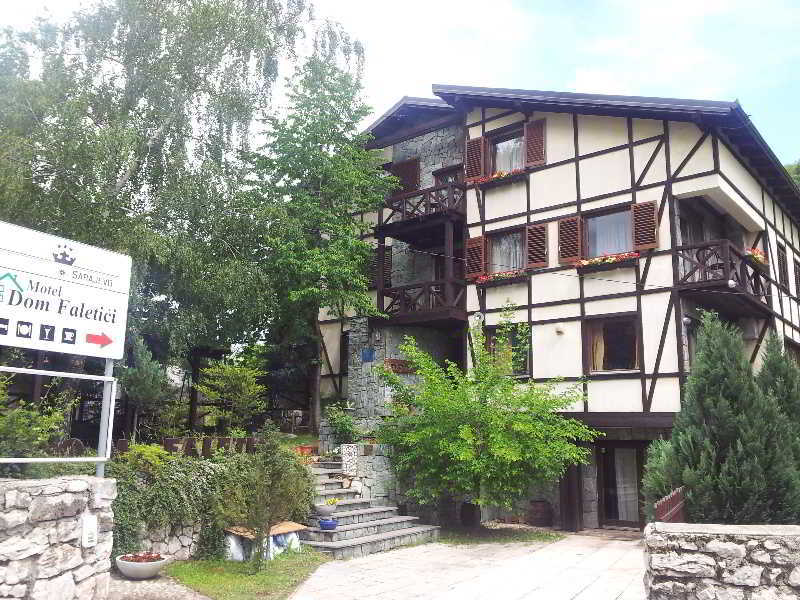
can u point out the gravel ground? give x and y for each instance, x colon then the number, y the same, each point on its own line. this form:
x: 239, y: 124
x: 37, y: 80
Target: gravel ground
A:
x: 160, y: 588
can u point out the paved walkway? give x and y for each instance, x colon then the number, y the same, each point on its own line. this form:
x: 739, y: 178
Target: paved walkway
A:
x: 159, y: 588
x: 579, y: 567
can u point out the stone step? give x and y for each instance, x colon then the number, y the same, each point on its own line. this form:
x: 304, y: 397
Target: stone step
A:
x: 328, y: 464
x: 350, y: 504
x: 344, y: 494
x: 356, y: 530
x: 369, y: 544
x: 327, y: 472
x: 360, y: 515
x: 329, y: 484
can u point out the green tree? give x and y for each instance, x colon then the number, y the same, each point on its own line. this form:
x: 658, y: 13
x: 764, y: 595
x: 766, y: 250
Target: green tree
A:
x: 315, y: 178
x: 144, y: 383
x: 272, y: 486
x: 479, y: 434
x: 233, y: 393
x: 779, y: 376
x: 794, y: 171
x: 730, y: 440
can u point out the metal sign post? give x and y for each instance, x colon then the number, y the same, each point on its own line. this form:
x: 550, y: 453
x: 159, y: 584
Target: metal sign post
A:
x: 59, y: 295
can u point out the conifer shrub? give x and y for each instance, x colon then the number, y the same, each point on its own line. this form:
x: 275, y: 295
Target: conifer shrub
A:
x: 731, y: 443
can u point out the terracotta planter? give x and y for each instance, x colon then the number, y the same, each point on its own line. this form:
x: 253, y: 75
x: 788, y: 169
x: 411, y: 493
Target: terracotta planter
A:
x: 140, y: 570
x: 304, y: 450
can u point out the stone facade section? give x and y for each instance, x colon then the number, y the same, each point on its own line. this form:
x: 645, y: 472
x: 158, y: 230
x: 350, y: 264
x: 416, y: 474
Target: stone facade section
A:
x: 722, y: 562
x: 435, y: 150
x: 42, y: 555
x: 177, y: 541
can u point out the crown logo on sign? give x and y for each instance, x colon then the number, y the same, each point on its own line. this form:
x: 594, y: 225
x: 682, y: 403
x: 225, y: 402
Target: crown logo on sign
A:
x: 63, y: 255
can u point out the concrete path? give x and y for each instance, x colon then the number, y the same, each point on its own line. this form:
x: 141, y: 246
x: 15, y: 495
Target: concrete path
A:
x: 159, y: 588
x: 579, y: 567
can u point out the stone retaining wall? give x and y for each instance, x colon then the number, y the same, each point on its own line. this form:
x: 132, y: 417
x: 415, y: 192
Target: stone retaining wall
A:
x: 722, y: 562
x: 178, y: 541
x: 42, y: 551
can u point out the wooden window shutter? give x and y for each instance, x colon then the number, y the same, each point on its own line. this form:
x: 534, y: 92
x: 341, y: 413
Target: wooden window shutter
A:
x: 372, y: 269
x: 407, y: 172
x: 570, y: 238
x: 534, y: 143
x: 783, y: 267
x: 536, y: 243
x: 475, y: 158
x: 644, y: 218
x: 475, y: 257
x: 387, y: 266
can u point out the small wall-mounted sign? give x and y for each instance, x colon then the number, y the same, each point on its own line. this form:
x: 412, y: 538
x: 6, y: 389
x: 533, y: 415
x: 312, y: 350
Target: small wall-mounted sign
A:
x: 368, y: 354
x: 89, y: 531
x: 399, y: 366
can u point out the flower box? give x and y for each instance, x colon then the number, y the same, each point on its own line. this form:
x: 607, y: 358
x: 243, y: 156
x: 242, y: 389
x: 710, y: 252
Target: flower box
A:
x: 500, y: 178
x: 607, y: 263
x: 504, y: 278
x: 757, y: 258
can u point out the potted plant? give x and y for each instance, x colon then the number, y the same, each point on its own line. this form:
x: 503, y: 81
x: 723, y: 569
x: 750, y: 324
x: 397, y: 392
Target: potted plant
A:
x: 328, y: 507
x: 328, y: 524
x: 304, y: 450
x: 140, y: 565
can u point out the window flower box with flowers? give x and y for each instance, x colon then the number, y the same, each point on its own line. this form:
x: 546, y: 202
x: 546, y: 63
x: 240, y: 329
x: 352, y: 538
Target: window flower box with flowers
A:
x: 607, y: 262
x: 500, y: 178
x: 503, y: 278
x: 757, y: 257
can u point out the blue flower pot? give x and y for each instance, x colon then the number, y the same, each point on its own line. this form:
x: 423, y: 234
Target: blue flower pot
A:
x: 328, y: 524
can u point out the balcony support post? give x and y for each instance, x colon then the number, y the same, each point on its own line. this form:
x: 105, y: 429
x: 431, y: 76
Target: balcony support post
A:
x: 379, y: 271
x: 449, y: 261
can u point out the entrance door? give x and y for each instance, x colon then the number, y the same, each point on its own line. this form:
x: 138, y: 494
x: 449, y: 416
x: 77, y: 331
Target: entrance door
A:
x: 619, y: 476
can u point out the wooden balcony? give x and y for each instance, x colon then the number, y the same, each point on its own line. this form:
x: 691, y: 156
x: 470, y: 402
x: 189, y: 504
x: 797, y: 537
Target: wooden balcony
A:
x: 718, y: 275
x: 435, y: 303
x: 418, y: 217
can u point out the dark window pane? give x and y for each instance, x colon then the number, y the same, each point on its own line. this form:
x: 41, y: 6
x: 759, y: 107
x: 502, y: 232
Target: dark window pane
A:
x: 612, y: 344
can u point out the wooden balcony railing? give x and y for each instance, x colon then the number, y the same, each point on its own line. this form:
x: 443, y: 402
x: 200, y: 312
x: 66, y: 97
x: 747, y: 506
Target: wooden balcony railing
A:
x: 715, y: 263
x: 424, y: 297
x: 420, y: 203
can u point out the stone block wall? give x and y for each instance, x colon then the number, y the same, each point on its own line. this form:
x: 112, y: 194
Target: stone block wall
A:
x: 178, y: 541
x: 42, y: 556
x: 435, y: 150
x: 722, y: 562
x: 374, y: 471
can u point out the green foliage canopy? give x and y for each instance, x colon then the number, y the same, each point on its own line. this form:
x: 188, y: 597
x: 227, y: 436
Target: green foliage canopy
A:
x: 233, y: 391
x: 479, y: 434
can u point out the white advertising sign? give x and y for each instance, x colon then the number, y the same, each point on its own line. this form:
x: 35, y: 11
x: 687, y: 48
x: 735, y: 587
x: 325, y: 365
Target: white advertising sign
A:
x: 61, y: 296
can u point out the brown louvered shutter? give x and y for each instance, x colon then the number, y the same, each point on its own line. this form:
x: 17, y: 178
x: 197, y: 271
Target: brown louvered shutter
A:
x: 372, y: 269
x: 534, y: 143
x: 475, y: 257
x: 536, y: 242
x: 407, y: 172
x: 387, y: 267
x: 644, y: 217
x: 475, y: 158
x: 570, y: 235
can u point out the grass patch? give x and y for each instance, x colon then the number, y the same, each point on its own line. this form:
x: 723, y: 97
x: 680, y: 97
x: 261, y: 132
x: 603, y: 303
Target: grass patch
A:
x: 302, y: 439
x: 496, y: 535
x: 228, y: 580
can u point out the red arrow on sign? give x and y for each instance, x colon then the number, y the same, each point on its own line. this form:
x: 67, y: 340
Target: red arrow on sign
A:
x: 101, y: 340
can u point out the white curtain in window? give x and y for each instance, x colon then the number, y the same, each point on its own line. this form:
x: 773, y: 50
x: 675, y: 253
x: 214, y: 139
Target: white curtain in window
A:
x: 508, y: 155
x: 506, y: 252
x: 627, y: 490
x: 609, y: 234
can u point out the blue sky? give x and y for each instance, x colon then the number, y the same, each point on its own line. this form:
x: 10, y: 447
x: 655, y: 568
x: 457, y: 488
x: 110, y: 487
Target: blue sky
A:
x: 709, y: 49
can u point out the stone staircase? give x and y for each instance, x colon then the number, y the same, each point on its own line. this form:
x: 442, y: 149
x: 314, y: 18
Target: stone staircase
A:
x: 363, y: 529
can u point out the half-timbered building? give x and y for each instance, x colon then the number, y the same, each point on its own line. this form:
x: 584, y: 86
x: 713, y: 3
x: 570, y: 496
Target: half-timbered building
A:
x: 608, y: 222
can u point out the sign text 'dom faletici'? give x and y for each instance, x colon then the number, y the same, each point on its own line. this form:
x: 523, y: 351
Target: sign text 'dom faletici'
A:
x: 60, y: 295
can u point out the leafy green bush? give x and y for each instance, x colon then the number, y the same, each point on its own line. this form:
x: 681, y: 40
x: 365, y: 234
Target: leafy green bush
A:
x: 234, y: 391
x: 156, y: 489
x: 27, y: 429
x: 343, y: 424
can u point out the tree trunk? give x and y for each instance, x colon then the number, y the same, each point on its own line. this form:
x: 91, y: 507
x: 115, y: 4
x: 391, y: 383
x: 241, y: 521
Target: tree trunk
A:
x: 193, y: 393
x: 315, y: 375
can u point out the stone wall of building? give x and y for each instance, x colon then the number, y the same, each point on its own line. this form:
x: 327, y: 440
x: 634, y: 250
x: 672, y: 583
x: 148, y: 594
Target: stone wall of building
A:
x: 435, y: 150
x: 178, y: 541
x: 722, y: 562
x: 43, y: 551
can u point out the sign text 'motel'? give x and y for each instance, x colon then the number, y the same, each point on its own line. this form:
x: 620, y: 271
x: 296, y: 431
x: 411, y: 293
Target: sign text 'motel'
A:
x: 60, y: 295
